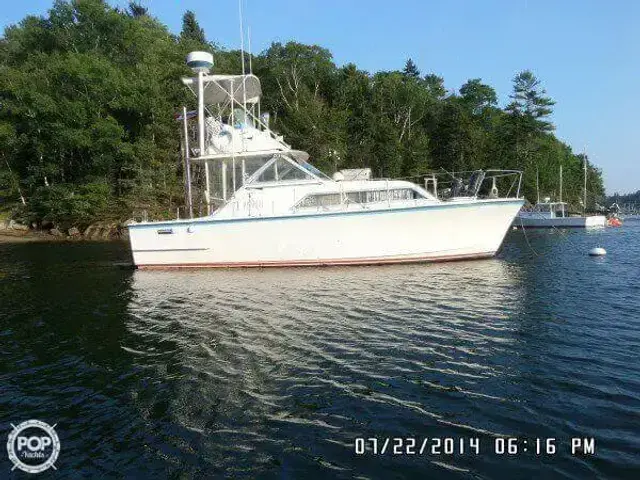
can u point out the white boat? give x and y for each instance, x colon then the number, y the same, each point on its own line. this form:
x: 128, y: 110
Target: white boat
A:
x: 554, y: 214
x: 268, y: 206
x: 550, y: 214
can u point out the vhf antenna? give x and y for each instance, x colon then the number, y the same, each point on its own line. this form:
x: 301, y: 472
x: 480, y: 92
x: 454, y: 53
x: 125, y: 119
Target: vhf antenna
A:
x: 249, y: 41
x: 241, y: 35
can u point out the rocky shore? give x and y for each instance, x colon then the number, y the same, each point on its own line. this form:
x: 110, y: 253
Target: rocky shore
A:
x: 12, y: 231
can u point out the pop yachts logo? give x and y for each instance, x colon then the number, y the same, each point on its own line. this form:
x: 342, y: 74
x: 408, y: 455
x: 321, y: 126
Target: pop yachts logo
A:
x: 33, y: 446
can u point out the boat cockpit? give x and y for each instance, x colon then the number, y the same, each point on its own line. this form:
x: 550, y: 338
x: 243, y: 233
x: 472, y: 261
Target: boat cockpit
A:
x: 551, y: 209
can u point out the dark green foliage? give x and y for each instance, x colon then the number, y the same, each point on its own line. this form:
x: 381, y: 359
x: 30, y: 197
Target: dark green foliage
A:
x: 477, y: 97
x: 88, y: 94
x: 88, y: 98
x: 435, y: 85
x: 529, y: 104
x: 411, y: 69
x: 629, y: 202
x: 70, y: 205
x: 137, y: 10
x: 191, y: 29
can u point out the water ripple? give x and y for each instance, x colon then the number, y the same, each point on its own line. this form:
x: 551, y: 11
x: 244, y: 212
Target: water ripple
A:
x: 274, y: 373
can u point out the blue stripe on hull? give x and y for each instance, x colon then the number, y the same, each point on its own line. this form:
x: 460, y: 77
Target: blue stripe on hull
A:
x: 205, y: 220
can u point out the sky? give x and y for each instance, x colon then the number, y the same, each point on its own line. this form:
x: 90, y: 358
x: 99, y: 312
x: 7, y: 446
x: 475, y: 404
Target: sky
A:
x: 585, y: 52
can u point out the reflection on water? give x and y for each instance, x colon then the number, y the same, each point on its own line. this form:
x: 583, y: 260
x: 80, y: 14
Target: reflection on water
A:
x: 275, y: 373
x: 289, y: 366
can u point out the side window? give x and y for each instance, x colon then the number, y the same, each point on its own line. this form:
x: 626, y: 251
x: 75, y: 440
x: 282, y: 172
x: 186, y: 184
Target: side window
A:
x: 365, y: 196
x: 322, y: 200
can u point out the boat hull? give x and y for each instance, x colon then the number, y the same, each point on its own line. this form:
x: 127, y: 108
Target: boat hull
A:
x: 438, y: 232
x: 596, y: 221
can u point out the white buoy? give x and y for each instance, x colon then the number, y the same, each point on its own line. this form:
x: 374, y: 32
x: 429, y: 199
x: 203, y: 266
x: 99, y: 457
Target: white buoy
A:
x: 597, y: 252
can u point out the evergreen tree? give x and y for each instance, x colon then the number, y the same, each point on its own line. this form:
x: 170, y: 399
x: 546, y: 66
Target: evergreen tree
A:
x: 528, y: 139
x: 191, y: 29
x: 137, y: 10
x: 530, y: 102
x: 411, y: 69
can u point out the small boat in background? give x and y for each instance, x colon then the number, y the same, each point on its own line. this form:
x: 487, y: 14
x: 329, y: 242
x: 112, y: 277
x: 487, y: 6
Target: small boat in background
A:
x: 550, y: 214
x: 554, y: 214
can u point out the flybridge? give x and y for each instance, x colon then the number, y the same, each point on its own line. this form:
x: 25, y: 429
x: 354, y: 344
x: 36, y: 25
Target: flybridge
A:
x: 232, y: 138
x: 228, y: 107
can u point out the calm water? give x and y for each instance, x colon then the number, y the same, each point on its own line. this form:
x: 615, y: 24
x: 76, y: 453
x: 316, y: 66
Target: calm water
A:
x: 275, y: 373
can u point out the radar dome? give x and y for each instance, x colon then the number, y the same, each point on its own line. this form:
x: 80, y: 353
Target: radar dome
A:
x: 200, y: 61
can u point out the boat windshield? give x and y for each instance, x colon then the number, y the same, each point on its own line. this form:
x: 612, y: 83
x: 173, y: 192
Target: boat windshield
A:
x: 282, y: 169
x: 228, y: 175
x: 556, y: 209
x: 314, y: 170
x: 543, y: 207
x: 559, y: 210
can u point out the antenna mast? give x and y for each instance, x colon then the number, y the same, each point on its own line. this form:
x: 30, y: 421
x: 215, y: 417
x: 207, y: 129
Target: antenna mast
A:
x: 560, y: 183
x: 201, y: 63
x: 249, y: 41
x: 244, y: 78
x: 585, y: 184
x: 241, y: 35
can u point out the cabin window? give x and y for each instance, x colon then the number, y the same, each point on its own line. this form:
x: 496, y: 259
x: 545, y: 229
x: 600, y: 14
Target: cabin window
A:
x: 364, y: 196
x: 322, y: 200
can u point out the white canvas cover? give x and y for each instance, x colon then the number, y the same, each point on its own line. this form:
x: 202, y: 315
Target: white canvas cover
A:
x: 218, y: 89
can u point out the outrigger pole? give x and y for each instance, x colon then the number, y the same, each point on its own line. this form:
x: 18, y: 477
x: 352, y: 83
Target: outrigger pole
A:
x: 584, y: 206
x: 187, y: 162
x: 244, y: 87
x: 201, y: 138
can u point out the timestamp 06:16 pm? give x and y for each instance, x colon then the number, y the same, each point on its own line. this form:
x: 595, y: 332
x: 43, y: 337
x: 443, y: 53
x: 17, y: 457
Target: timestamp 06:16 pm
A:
x: 436, y: 446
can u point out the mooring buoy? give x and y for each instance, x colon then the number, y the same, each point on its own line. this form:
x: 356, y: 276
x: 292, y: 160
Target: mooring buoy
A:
x: 597, y: 252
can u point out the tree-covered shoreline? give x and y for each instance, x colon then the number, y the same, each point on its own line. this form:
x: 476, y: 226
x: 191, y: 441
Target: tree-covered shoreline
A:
x: 88, y: 95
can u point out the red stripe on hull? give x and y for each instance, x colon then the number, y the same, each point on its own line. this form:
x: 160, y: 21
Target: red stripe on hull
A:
x: 321, y: 263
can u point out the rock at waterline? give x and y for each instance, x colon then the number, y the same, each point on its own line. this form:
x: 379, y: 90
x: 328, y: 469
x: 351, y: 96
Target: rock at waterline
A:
x: 56, y: 233
x: 104, y: 231
x: 89, y: 231
x: 74, y: 232
x: 13, y: 225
